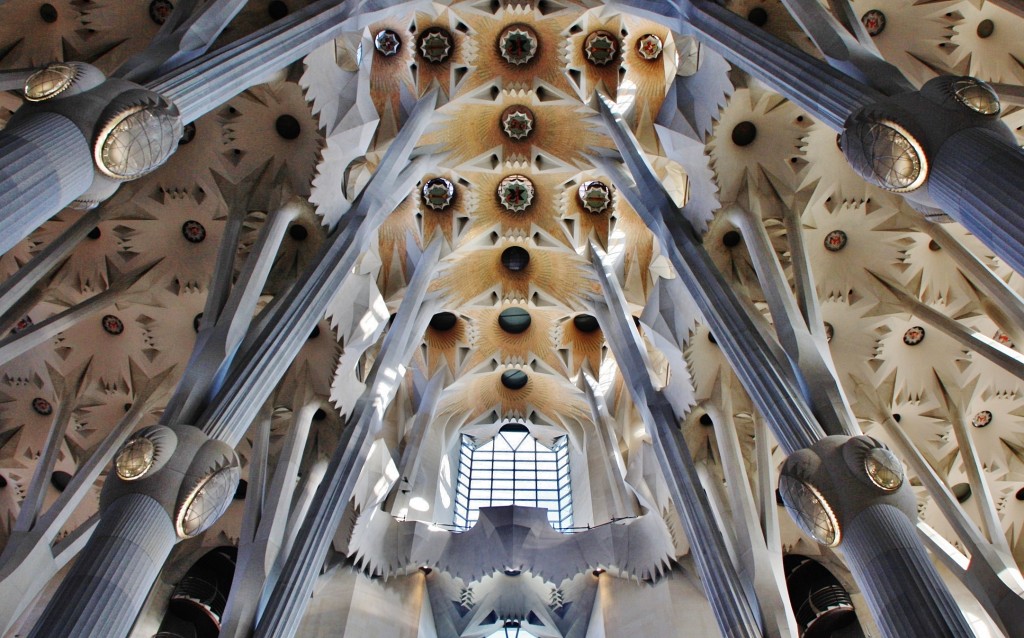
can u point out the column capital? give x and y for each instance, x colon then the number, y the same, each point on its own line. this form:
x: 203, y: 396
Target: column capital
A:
x: 192, y: 476
x: 827, y: 485
x: 893, y: 142
x: 131, y: 130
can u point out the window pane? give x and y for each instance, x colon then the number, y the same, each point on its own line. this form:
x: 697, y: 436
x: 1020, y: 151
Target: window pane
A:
x: 513, y: 469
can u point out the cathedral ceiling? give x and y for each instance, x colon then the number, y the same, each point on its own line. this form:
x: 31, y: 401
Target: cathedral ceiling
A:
x: 509, y: 172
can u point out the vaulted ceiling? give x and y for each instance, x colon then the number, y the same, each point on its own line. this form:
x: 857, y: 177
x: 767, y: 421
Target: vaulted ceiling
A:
x: 508, y: 173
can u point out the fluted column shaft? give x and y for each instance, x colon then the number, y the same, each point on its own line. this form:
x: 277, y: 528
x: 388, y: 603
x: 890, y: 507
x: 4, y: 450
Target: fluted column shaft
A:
x: 263, y: 528
x: 806, y: 348
x: 112, y: 579
x: 206, y: 83
x: 45, y: 164
x: 975, y: 176
x: 733, y: 606
x: 763, y: 375
x: 292, y: 589
x: 827, y: 93
x: 978, y: 179
x: 134, y: 569
x: 905, y: 593
x: 257, y: 369
x: 295, y: 584
x: 770, y: 385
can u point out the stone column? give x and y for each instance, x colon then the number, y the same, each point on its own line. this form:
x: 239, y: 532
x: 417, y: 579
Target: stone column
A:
x: 30, y: 558
x: 207, y: 82
x: 257, y: 369
x: 294, y: 586
x: 734, y: 606
x: 906, y: 595
x: 78, y: 136
x: 14, y: 79
x: 292, y: 590
x: 976, y: 165
x: 806, y: 348
x: 945, y: 149
x: 118, y: 567
x: 167, y: 483
x: 976, y: 175
x: 19, y: 293
x: 827, y: 93
x: 975, y: 162
x: 765, y: 377
x: 852, y: 493
x: 265, y: 520
x: 198, y: 456
x: 45, y: 164
x: 46, y: 161
x: 775, y: 396
x: 978, y: 179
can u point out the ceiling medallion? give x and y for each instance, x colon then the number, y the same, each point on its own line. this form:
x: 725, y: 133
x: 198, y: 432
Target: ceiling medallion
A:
x: 518, y: 44
x: 913, y: 336
x: 288, y: 127
x: 48, y: 13
x: 586, y: 323
x: 438, y: 193
x: 112, y: 325
x: 514, y: 320
x: 977, y: 96
x: 515, y: 193
x: 42, y: 407
x: 160, y: 10
x: 49, y: 82
x: 650, y: 47
x: 193, y: 231
x: 744, y: 133
x: 436, y: 45
x: 982, y: 419
x: 443, y: 321
x: 514, y: 379
x: 515, y: 258
x: 601, y: 48
x: 986, y: 28
x: 23, y: 324
x: 835, y: 241
x: 517, y: 122
x: 387, y: 42
x: 874, y: 22
x: 595, y: 196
